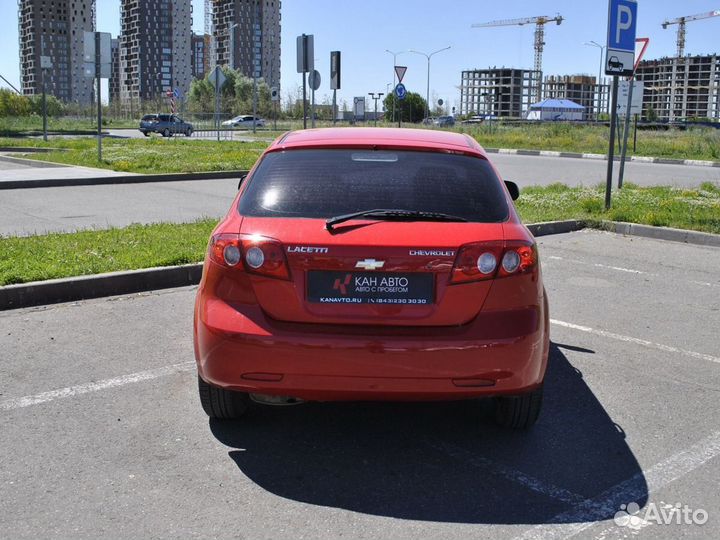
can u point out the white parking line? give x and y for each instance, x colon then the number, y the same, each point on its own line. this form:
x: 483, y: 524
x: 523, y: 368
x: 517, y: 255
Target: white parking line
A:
x: 598, y: 265
x: 70, y: 391
x: 637, y: 341
x: 514, y: 475
x: 592, y: 511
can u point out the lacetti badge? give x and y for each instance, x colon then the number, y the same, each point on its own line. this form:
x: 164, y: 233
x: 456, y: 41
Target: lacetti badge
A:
x: 306, y: 249
x: 370, y: 264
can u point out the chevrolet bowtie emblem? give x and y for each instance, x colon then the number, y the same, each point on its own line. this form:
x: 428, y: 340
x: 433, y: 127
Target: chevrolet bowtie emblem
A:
x: 370, y: 264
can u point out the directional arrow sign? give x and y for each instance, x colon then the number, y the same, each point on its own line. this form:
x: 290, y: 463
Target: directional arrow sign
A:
x: 400, y: 72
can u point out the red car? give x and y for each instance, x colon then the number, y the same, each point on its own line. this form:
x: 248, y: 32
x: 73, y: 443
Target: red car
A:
x: 372, y: 264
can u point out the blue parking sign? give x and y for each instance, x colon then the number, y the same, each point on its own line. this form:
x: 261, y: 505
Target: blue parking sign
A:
x: 622, y: 21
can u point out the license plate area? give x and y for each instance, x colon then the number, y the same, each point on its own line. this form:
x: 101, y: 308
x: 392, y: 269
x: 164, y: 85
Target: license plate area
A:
x: 410, y: 288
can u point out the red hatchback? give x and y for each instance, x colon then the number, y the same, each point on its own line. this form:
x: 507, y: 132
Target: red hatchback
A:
x: 372, y: 264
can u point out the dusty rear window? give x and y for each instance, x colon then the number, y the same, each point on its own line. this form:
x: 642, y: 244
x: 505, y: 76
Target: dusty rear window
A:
x: 325, y: 183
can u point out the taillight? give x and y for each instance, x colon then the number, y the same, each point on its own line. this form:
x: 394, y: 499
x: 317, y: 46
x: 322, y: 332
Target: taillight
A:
x: 488, y: 260
x: 259, y: 255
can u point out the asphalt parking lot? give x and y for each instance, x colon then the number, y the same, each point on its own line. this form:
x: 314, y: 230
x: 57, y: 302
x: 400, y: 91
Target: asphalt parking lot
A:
x: 103, y: 434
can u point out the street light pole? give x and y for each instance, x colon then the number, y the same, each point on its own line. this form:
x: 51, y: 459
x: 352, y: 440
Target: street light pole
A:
x: 599, y: 85
x: 394, y: 55
x: 427, y: 94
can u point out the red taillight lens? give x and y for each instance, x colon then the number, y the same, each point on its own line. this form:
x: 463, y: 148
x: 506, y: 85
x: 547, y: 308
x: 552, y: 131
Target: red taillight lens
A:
x: 488, y: 260
x: 259, y: 255
x: 475, y: 262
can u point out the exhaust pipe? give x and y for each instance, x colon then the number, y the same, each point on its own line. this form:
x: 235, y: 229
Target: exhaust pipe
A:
x: 279, y: 401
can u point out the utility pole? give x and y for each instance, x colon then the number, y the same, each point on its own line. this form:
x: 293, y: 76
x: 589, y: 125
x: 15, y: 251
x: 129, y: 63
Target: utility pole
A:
x: 256, y: 66
x: 611, y: 149
x: 394, y: 55
x: 97, y: 97
x: 44, y: 96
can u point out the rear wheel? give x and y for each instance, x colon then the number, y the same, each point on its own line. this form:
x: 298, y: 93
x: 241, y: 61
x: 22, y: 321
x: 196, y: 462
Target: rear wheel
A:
x: 189, y: 132
x: 221, y: 403
x: 519, y: 412
x: 146, y: 133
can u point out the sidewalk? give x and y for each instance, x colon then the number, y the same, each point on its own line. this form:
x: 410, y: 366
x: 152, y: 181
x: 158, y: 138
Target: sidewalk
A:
x: 17, y: 169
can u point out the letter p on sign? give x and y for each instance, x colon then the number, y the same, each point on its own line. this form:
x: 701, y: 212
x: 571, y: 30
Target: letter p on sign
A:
x: 624, y: 21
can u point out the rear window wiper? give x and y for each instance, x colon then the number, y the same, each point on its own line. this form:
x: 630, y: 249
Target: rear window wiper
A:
x: 392, y: 215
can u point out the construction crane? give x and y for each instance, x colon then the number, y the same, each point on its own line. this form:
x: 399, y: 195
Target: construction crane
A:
x: 680, y: 21
x: 539, y: 23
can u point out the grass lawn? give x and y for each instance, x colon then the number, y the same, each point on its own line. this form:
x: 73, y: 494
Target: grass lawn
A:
x: 34, y: 258
x: 695, y: 143
x: 28, y: 124
x: 149, y: 156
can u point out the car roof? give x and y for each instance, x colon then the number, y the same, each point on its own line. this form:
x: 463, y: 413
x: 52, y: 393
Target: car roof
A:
x: 371, y: 137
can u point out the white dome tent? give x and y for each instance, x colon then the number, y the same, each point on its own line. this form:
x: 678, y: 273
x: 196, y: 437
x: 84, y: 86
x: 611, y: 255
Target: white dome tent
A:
x: 556, y: 109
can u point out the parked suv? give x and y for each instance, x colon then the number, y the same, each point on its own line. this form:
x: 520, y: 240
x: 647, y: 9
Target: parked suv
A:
x: 165, y: 124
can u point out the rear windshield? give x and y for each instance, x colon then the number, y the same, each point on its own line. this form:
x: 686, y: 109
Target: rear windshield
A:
x: 326, y: 183
x: 149, y: 117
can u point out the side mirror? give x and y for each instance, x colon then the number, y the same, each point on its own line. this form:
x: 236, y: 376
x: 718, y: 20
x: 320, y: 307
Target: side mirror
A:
x: 242, y: 179
x: 513, y: 188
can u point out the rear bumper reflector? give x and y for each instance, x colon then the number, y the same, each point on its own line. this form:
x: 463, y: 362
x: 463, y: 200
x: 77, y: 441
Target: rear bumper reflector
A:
x: 269, y: 377
x: 463, y: 383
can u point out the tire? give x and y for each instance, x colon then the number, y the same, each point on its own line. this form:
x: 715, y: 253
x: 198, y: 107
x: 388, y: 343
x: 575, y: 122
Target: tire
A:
x: 221, y: 403
x: 166, y: 133
x: 519, y: 412
x: 189, y: 132
x: 146, y: 133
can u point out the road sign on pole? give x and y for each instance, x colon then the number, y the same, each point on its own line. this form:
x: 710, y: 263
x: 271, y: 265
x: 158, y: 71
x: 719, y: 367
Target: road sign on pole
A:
x: 622, y: 20
x: 400, y: 72
x: 217, y: 79
x: 335, y: 70
x: 636, y: 99
x: 400, y: 91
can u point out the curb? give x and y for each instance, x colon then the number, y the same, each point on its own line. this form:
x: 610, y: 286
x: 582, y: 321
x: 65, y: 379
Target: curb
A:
x: 34, y: 163
x: 120, y: 179
x: 73, y: 289
x: 603, y: 157
x: 556, y: 227
x: 27, y: 149
x: 659, y: 233
x: 54, y: 291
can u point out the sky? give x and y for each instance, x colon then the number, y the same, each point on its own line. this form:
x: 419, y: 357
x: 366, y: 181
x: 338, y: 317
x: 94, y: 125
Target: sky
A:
x: 363, y: 31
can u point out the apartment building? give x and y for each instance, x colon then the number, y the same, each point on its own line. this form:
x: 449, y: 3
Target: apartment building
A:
x: 246, y: 36
x: 200, y: 61
x: 55, y: 28
x: 580, y: 89
x: 681, y: 87
x: 502, y: 92
x: 155, y: 48
x: 114, y: 82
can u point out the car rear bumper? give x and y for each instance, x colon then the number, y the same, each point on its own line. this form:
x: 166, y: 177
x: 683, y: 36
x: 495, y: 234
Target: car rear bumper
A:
x: 499, y: 353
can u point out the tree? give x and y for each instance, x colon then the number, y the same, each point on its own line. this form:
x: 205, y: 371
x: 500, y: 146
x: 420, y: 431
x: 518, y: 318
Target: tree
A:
x: 236, y: 96
x: 413, y: 107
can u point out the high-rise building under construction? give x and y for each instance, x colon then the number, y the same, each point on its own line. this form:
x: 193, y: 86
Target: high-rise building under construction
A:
x: 246, y: 36
x: 55, y: 29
